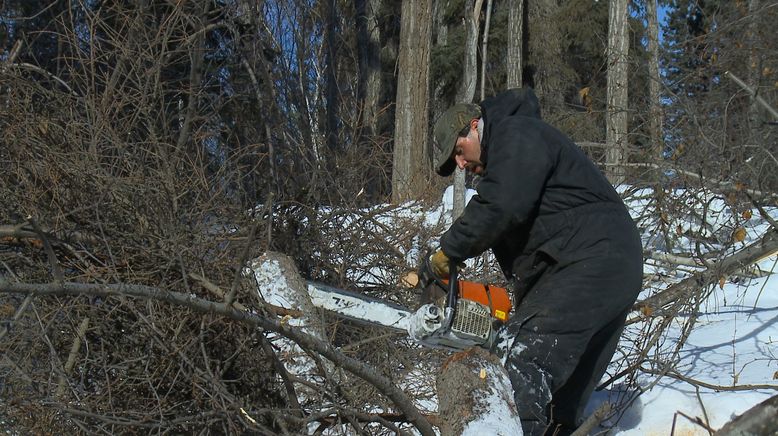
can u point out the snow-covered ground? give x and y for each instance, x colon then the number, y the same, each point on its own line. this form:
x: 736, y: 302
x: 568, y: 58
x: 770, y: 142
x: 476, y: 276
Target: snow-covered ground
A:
x: 734, y: 342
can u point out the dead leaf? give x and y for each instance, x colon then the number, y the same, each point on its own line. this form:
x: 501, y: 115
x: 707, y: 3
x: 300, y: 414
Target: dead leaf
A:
x: 722, y: 281
x: 6, y: 311
x: 739, y: 235
x: 646, y: 311
x: 747, y: 214
x: 586, y: 99
x: 775, y: 376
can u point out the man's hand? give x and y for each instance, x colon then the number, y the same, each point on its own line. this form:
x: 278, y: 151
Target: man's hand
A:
x: 439, y: 264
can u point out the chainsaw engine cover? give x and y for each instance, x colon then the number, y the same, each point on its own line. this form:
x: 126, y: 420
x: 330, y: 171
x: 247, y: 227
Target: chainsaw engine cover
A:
x: 468, y: 326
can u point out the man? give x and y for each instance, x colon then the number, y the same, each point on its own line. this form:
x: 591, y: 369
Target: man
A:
x: 560, y: 232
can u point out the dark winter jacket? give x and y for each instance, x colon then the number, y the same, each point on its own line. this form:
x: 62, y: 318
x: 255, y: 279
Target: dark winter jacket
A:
x: 540, y: 197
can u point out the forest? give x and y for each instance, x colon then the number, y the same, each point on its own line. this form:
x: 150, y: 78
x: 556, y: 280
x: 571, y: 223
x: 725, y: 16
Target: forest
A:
x: 152, y: 149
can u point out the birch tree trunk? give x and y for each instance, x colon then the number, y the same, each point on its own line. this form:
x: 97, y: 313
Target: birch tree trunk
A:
x: 412, y: 113
x: 616, y: 118
x: 515, y: 43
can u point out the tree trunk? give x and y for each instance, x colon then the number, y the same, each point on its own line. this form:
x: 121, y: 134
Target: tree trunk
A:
x: 484, y: 46
x: 754, y: 63
x: 440, y: 30
x: 476, y: 396
x: 412, y: 113
x: 368, y: 46
x: 466, y: 90
x: 654, y: 81
x: 515, y: 43
x: 616, y: 119
x: 545, y: 54
x: 332, y: 80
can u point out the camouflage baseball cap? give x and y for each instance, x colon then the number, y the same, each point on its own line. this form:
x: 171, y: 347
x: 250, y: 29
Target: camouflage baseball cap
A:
x: 445, y: 133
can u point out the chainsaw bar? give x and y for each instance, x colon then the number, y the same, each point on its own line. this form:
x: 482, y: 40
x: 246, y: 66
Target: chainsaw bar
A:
x: 358, y: 307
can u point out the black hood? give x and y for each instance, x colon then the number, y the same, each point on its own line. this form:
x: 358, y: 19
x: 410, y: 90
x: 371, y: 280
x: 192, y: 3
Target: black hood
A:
x: 513, y: 102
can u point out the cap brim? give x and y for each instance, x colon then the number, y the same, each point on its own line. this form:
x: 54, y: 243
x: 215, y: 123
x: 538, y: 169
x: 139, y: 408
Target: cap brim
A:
x: 447, y: 168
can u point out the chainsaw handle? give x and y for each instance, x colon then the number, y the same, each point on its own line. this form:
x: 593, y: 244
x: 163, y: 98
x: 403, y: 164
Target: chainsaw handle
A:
x: 453, y: 286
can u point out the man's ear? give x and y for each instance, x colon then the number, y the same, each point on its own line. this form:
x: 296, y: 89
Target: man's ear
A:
x: 474, y: 124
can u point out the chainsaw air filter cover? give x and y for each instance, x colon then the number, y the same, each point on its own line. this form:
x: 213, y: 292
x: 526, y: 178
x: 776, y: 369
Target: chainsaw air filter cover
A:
x: 472, y: 321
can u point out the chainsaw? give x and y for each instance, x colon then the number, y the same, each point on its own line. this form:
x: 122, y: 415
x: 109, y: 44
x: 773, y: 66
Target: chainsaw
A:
x: 454, y: 314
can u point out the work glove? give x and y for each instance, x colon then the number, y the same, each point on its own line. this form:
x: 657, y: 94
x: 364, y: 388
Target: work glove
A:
x: 439, y: 263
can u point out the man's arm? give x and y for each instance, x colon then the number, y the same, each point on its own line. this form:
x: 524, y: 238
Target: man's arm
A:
x: 509, y: 194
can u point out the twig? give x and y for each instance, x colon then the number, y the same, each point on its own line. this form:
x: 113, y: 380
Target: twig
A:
x: 753, y: 94
x: 686, y: 287
x: 704, y: 411
x: 241, y: 262
x: 80, y: 333
x: 693, y: 382
x: 55, y: 269
x: 593, y: 420
x: 697, y: 421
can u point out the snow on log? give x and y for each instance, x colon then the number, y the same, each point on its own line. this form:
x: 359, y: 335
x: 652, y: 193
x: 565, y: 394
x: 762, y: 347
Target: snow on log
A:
x: 760, y: 420
x: 475, y: 396
x: 279, y: 283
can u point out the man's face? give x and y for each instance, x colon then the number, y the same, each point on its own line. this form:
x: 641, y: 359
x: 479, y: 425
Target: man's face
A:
x: 467, y: 151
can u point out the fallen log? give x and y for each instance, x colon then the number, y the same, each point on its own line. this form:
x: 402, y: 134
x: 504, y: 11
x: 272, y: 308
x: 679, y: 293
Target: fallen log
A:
x: 475, y: 396
x: 687, y: 287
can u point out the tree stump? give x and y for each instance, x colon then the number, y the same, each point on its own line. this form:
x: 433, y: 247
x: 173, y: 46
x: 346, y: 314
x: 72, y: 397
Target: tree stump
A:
x: 475, y: 396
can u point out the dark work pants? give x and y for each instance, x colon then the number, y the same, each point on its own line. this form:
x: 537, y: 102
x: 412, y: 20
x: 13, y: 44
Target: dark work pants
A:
x: 560, y: 340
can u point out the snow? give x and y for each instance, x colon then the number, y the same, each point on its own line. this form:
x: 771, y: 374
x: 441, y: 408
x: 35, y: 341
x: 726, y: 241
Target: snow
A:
x: 500, y: 420
x: 734, y: 341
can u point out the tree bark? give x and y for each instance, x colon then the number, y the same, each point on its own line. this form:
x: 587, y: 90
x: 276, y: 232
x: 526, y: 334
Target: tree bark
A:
x: 484, y: 46
x: 616, y: 119
x: 754, y: 63
x: 545, y: 54
x: 332, y: 79
x: 654, y: 81
x: 368, y: 46
x: 411, y: 116
x: 466, y: 90
x: 515, y: 43
x: 475, y: 396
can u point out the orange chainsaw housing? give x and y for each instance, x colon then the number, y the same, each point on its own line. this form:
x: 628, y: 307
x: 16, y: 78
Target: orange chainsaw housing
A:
x: 495, y: 298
